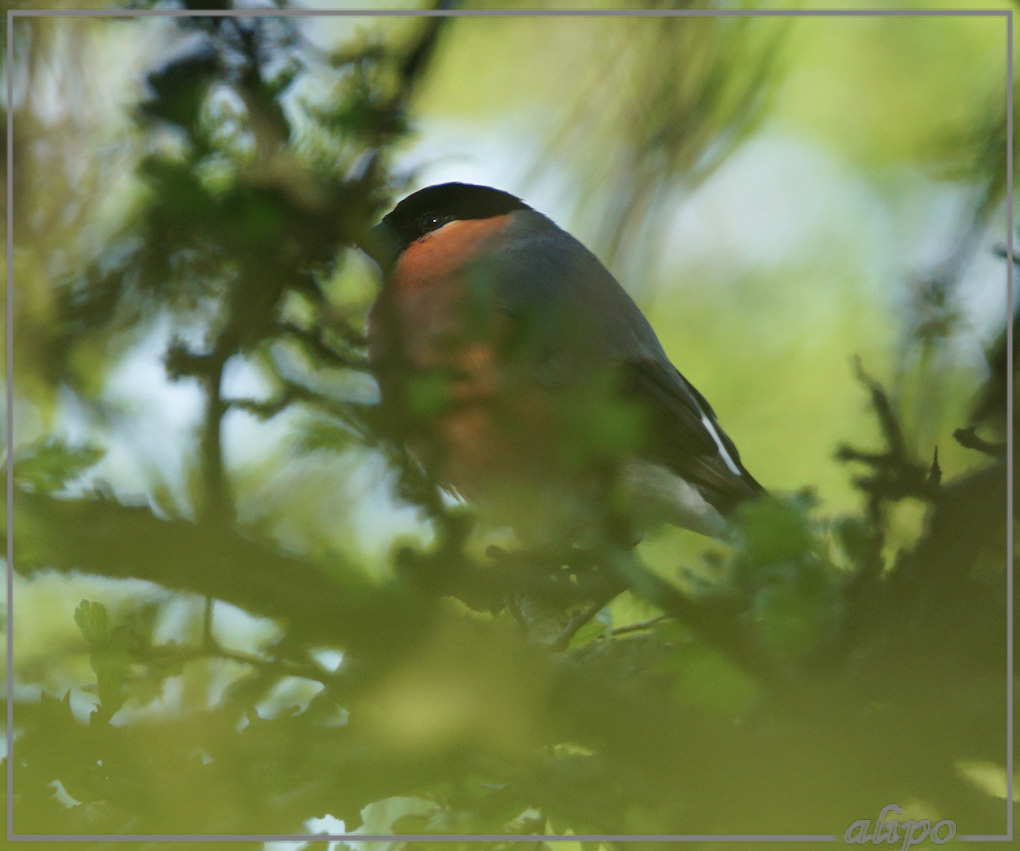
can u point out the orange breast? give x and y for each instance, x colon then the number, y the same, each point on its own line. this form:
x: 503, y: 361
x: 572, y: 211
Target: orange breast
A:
x: 433, y: 313
x: 488, y: 433
x: 438, y: 255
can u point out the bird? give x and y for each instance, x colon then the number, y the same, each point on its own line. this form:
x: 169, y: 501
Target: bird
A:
x: 524, y: 379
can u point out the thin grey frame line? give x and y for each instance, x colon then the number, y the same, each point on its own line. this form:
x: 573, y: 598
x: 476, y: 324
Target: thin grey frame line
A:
x: 1009, y: 423
x: 411, y: 837
x: 9, y: 461
x: 1008, y: 837
x: 509, y: 13
x: 1007, y: 13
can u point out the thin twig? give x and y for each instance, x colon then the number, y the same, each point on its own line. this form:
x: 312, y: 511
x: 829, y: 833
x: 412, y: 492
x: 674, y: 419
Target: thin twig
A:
x: 967, y: 437
x: 640, y: 626
x: 171, y: 655
x: 219, y: 501
x: 883, y: 407
x: 315, y: 340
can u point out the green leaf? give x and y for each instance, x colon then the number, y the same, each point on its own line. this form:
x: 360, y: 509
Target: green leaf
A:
x: 855, y: 537
x: 48, y: 466
x: 793, y: 616
x: 147, y: 689
x: 94, y: 622
x: 320, y: 433
x: 411, y: 823
x: 706, y: 679
x: 587, y: 633
x: 775, y: 532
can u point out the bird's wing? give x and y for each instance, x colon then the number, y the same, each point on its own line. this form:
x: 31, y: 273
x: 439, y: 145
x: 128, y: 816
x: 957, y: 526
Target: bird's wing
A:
x: 544, y: 278
x: 575, y: 309
x: 684, y: 435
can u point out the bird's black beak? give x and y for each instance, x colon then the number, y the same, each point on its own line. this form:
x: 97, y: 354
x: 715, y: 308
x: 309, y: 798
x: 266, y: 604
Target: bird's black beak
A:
x: 380, y: 243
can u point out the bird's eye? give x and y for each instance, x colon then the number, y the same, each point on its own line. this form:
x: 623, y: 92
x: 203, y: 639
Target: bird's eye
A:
x: 430, y: 221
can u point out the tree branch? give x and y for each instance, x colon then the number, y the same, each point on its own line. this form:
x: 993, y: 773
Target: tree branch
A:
x: 967, y: 437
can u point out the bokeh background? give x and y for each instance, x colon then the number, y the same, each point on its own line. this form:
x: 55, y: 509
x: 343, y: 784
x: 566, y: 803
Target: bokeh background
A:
x: 780, y: 195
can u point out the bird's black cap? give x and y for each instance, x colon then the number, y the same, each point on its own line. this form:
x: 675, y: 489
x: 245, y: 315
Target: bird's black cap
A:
x: 431, y: 208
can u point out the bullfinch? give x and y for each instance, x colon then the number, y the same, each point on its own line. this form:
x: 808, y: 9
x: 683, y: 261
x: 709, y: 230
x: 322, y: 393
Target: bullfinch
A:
x: 523, y: 377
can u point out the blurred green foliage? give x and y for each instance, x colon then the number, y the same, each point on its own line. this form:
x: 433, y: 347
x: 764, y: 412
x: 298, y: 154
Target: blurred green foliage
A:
x: 269, y: 669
